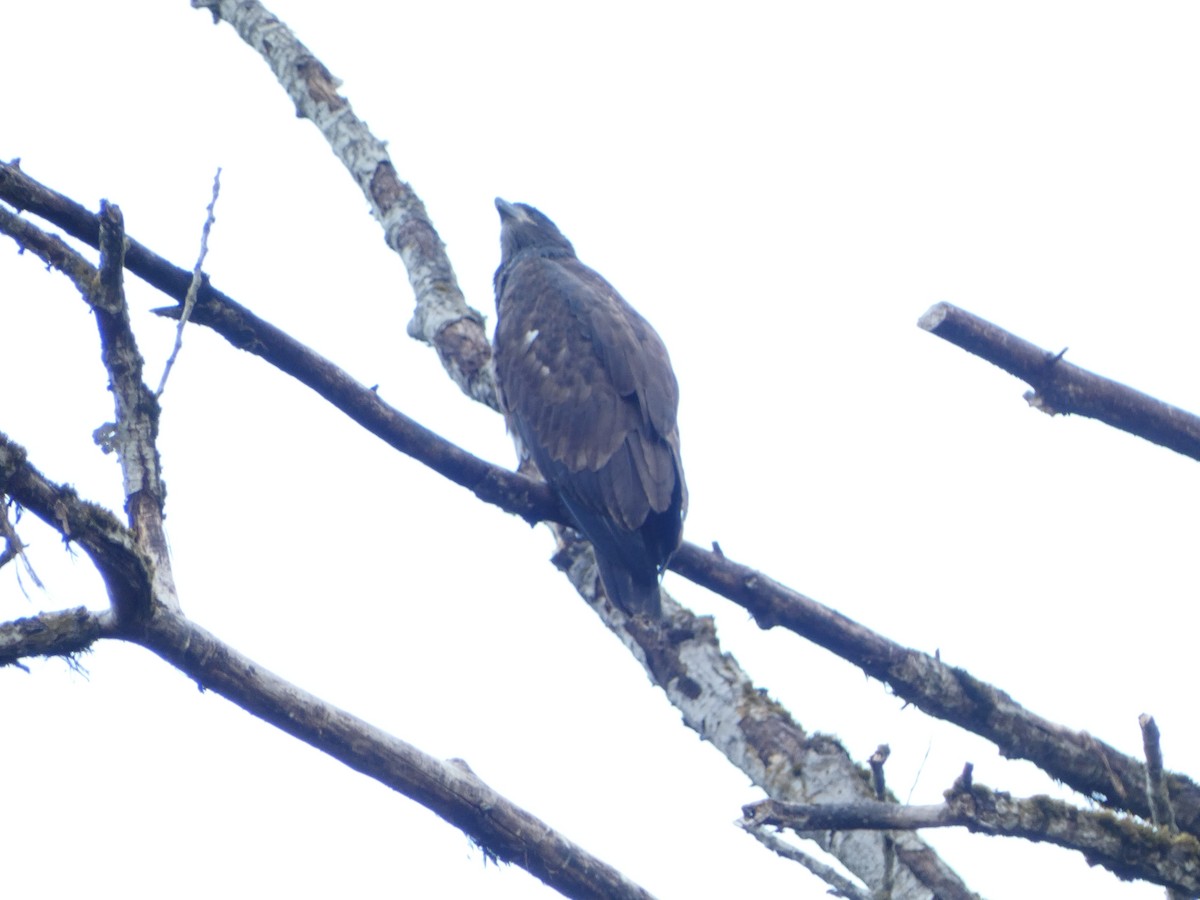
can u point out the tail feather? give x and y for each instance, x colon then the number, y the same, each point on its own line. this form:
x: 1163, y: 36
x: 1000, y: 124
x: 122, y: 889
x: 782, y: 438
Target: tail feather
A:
x: 631, y: 595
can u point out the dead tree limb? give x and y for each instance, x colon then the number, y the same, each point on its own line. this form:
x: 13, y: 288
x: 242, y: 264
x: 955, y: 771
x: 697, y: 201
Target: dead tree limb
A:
x: 1127, y: 848
x: 441, y: 316
x: 503, y: 829
x: 452, y: 790
x: 1061, y: 387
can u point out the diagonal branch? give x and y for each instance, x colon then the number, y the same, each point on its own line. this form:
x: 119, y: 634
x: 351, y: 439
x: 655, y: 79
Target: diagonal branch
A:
x: 248, y: 332
x: 442, y: 316
x: 451, y: 790
x: 51, y: 249
x: 841, y: 885
x: 1061, y: 387
x: 1090, y: 766
x: 112, y: 547
x: 503, y: 829
x: 492, y: 484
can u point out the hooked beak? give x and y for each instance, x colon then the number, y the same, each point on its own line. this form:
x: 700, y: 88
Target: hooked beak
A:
x: 511, y: 211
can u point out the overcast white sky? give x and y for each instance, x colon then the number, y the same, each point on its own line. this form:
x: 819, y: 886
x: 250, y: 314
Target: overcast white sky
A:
x: 782, y: 190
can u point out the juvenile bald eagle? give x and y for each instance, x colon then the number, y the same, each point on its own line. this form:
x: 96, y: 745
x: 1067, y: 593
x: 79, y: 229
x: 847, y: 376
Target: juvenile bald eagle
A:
x: 587, y: 386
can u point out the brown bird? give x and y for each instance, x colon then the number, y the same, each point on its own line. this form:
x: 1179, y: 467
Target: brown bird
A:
x: 587, y: 387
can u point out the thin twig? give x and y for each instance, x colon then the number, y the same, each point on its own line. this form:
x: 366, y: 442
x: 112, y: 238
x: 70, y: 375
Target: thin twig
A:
x: 14, y: 547
x: 193, y: 290
x: 841, y: 885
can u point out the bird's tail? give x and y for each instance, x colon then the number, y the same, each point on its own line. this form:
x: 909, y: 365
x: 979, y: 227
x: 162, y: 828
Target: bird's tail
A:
x: 631, y: 595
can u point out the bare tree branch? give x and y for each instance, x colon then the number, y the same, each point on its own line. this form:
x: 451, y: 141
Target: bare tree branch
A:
x: 1060, y: 387
x: 135, y: 434
x: 121, y: 562
x: 451, y: 790
x: 731, y: 711
x: 868, y: 814
x: 1090, y: 766
x: 530, y: 499
x: 923, y: 862
x: 721, y: 703
x: 841, y: 885
x: 1125, y: 847
x: 63, y: 633
x: 503, y: 829
x: 244, y: 330
x: 51, y: 249
x: 442, y: 316
x: 136, y: 429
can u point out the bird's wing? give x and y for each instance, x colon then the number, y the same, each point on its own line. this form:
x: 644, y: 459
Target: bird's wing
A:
x: 588, y: 385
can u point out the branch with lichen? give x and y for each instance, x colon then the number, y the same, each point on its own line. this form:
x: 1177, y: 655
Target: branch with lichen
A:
x: 64, y: 633
x: 441, y: 316
x: 1125, y: 846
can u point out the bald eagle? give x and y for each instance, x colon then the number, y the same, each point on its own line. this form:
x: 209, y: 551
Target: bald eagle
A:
x: 587, y: 387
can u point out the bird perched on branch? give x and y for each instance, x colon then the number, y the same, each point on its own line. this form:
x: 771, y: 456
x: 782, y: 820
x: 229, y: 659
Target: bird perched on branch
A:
x: 587, y: 387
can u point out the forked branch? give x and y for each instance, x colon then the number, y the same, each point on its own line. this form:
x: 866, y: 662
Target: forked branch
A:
x: 1126, y: 847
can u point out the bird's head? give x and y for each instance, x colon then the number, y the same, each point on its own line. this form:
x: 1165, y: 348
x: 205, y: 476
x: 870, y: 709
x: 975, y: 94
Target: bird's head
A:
x: 522, y: 227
